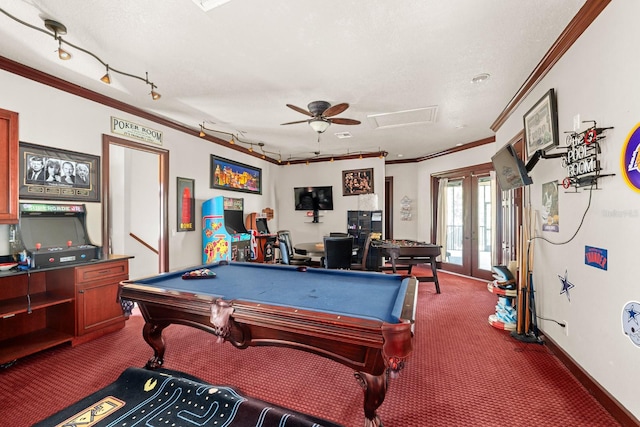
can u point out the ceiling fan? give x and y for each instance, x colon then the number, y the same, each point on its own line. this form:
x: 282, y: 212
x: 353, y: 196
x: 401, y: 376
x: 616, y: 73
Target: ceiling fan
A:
x: 321, y: 113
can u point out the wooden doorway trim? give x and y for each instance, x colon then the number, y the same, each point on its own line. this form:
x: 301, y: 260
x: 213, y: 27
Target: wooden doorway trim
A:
x: 388, y: 207
x: 163, y: 244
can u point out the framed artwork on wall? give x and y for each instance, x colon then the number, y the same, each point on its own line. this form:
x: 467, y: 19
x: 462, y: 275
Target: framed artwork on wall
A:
x: 357, y: 181
x: 541, y: 124
x: 186, y: 204
x: 230, y: 175
x: 55, y: 174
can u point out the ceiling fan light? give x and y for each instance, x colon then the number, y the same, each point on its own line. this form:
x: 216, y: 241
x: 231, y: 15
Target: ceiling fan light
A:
x: 319, y: 124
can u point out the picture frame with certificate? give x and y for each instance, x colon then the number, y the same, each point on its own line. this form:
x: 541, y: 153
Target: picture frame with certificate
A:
x: 541, y: 124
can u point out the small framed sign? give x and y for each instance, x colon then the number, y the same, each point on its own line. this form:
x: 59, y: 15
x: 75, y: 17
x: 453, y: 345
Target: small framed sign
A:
x: 185, y: 190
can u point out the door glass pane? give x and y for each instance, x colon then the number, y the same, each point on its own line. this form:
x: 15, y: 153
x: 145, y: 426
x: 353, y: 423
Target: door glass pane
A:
x: 454, y: 217
x: 485, y: 215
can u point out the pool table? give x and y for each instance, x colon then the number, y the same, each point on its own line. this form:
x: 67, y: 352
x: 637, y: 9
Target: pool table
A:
x: 363, y: 320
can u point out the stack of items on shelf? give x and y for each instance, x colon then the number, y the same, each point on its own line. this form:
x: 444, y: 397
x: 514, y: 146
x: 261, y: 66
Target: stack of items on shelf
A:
x: 504, y: 286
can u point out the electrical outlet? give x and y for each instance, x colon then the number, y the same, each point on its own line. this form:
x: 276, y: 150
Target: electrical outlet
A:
x: 566, y: 328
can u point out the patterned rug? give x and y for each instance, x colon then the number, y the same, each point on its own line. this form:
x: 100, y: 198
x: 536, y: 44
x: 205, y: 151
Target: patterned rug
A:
x: 170, y: 398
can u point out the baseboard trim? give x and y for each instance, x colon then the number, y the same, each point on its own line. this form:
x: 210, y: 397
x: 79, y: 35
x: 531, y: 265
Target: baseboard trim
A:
x: 617, y: 411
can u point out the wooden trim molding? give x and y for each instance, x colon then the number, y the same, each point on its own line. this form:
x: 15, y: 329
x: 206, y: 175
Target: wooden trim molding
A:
x: 617, y: 411
x: 462, y: 147
x: 585, y: 16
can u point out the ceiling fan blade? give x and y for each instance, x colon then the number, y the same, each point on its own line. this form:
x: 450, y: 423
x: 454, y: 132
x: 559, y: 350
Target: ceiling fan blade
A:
x: 300, y: 110
x: 293, y: 123
x: 340, y: 121
x: 335, y: 109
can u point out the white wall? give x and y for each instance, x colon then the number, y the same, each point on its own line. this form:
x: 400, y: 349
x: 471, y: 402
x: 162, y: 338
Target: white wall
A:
x: 598, y: 79
x: 320, y: 174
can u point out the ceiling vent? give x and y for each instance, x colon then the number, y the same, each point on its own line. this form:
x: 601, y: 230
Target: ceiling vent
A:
x: 404, y: 118
x: 343, y: 135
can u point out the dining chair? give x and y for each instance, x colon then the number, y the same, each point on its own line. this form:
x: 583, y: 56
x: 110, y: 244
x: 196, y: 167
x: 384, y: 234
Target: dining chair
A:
x: 338, y: 252
x: 294, y: 259
x: 365, y: 254
x: 284, y: 252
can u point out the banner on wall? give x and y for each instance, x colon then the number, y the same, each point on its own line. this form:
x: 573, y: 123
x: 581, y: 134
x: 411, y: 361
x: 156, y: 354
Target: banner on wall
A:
x: 629, y: 159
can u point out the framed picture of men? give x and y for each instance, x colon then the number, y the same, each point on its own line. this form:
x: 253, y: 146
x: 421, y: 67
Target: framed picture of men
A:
x: 357, y: 181
x: 55, y: 174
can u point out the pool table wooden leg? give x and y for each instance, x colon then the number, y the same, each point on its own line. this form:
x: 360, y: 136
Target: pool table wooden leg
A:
x: 152, y: 334
x: 375, y: 389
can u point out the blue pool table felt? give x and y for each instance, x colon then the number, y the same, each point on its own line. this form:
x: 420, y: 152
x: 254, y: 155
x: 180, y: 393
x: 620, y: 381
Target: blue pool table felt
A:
x: 367, y: 295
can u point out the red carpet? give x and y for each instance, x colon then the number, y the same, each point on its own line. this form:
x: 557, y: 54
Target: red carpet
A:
x: 463, y: 372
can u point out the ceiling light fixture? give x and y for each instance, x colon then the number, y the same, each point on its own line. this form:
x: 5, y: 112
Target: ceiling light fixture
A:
x: 63, y: 54
x: 106, y: 78
x: 480, y: 78
x: 234, y: 139
x: 319, y: 124
x: 56, y: 29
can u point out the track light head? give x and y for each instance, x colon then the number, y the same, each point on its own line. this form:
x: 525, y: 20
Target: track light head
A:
x: 63, y: 54
x: 106, y: 78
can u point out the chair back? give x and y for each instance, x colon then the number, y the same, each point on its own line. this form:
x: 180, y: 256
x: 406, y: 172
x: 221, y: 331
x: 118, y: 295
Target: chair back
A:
x: 284, y: 252
x: 285, y: 236
x: 338, y: 234
x: 338, y: 252
x: 365, y: 251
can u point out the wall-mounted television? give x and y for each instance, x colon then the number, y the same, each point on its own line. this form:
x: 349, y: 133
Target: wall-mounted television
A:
x: 510, y: 169
x: 313, y: 198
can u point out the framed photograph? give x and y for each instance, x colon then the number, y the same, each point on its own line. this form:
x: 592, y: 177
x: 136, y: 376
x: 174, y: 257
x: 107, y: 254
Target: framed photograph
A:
x: 234, y: 176
x: 186, y: 204
x: 357, y: 181
x: 55, y: 174
x: 541, y: 124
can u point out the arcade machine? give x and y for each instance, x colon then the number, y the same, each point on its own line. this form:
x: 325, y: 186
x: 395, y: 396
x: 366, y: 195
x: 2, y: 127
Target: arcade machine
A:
x: 51, y: 235
x: 224, y: 237
x: 262, y: 241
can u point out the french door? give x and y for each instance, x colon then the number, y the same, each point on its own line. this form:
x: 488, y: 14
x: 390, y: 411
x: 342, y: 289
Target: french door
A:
x: 466, y: 220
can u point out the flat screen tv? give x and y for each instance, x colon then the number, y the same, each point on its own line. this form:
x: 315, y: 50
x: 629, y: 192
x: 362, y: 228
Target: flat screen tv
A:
x: 314, y: 198
x: 510, y: 169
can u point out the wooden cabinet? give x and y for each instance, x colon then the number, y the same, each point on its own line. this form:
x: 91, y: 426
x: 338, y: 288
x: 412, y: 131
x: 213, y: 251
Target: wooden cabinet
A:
x: 8, y: 167
x: 43, y: 308
x: 98, y: 309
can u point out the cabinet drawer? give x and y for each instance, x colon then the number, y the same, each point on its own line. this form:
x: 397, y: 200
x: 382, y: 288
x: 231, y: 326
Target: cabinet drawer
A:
x: 116, y: 269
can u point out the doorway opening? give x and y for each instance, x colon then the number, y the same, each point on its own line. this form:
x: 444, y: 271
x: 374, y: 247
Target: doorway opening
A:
x: 135, y: 204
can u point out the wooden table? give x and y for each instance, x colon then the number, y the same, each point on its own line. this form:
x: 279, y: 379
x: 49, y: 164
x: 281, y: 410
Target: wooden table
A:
x: 404, y: 254
x: 312, y: 249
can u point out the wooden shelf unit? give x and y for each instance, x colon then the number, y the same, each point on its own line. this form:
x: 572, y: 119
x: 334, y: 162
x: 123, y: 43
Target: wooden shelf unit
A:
x: 41, y: 309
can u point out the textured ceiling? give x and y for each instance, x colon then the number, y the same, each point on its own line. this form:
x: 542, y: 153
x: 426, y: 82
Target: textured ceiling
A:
x: 237, y: 66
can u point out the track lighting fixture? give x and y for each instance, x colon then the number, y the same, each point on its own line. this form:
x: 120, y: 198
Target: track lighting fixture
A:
x: 233, y: 140
x: 57, y: 29
x: 63, y: 54
x: 154, y: 95
x: 257, y: 148
x: 106, y: 78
